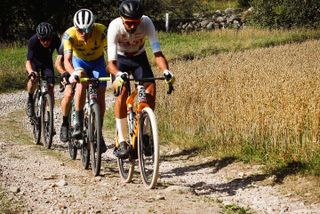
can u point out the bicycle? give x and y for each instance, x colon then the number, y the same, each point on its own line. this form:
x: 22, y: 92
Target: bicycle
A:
x: 92, y: 127
x: 42, y: 121
x: 143, y: 137
x: 73, y: 144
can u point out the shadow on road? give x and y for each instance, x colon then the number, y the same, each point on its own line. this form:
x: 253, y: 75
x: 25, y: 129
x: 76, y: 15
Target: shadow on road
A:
x: 230, y: 188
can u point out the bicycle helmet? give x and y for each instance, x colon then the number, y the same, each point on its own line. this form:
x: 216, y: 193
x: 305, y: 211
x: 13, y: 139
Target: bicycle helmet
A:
x: 44, y: 30
x: 131, y: 9
x: 83, y: 19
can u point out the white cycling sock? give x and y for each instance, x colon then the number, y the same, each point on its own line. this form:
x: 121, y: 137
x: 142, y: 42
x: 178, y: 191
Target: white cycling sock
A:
x: 121, y: 125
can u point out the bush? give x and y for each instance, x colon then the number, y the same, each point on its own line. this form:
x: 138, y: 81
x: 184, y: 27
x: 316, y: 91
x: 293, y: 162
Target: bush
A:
x: 286, y: 13
x: 244, y: 3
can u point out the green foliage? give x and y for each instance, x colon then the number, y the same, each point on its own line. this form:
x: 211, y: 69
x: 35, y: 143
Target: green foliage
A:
x: 244, y: 3
x: 286, y: 13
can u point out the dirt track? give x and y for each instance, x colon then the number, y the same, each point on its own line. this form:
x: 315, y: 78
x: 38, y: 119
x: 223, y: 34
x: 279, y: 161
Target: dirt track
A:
x: 49, y: 182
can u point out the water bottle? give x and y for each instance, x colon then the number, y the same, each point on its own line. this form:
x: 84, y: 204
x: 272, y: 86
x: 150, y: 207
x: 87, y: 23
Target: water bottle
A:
x: 142, y: 94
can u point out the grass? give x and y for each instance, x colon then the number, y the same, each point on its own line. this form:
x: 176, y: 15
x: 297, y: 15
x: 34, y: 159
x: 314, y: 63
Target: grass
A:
x: 257, y: 105
x: 6, y: 204
x: 186, y: 46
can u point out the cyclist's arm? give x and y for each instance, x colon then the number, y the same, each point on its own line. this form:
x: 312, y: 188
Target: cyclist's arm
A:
x: 67, y: 50
x: 30, y: 55
x: 68, y: 62
x: 161, y: 61
x: 59, y: 64
x: 112, y: 48
x: 29, y: 66
x: 112, y: 67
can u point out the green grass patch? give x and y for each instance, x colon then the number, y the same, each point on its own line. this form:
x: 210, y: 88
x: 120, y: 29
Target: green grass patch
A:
x: 235, y: 209
x: 176, y: 46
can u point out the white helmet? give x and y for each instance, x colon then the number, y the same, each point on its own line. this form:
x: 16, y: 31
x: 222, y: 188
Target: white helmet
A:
x: 83, y: 19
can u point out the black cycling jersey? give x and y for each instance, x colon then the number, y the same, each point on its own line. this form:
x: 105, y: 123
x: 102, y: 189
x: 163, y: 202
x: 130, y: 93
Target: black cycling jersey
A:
x: 41, y: 57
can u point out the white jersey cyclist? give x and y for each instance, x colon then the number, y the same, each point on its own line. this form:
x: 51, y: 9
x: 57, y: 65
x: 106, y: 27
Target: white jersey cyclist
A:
x: 131, y: 44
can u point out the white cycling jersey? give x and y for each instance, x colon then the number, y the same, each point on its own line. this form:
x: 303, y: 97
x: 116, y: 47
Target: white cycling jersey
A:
x: 123, y: 43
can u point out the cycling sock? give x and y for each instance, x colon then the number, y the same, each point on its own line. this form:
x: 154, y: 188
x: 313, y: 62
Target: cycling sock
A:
x: 65, y: 121
x: 121, y: 125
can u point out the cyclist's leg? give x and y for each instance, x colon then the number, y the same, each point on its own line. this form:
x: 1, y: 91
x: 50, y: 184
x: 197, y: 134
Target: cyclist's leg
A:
x: 31, y: 87
x: 80, y: 97
x: 65, y: 108
x: 99, y: 70
x: 49, y: 73
x: 143, y: 70
x: 120, y: 108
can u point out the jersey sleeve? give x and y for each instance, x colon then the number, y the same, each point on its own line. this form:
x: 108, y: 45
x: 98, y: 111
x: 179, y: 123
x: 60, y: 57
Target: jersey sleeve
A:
x: 151, y: 33
x: 67, y: 43
x: 112, y: 42
x: 30, y: 52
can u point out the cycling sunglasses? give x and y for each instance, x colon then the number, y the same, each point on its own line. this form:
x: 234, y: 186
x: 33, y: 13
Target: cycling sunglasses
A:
x: 84, y: 30
x: 130, y: 23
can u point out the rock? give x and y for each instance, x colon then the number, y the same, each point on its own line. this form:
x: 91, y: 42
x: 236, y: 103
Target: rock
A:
x: 179, y: 189
x: 15, y: 189
x: 61, y: 183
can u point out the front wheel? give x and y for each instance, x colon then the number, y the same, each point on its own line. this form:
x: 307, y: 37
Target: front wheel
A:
x: 47, y: 121
x: 95, y: 138
x: 148, y: 148
x: 36, y: 119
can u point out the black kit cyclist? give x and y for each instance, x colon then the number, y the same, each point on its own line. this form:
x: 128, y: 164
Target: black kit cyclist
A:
x: 39, y: 59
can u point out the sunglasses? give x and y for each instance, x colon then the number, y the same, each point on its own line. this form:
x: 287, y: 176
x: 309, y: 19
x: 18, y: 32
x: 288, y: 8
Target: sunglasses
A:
x: 132, y: 22
x: 84, y: 30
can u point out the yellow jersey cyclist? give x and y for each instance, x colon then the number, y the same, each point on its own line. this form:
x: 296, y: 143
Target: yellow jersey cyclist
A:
x: 84, y: 46
x: 126, y: 55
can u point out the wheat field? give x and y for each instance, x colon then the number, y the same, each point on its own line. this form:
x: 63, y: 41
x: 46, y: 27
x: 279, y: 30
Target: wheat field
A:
x: 268, y: 98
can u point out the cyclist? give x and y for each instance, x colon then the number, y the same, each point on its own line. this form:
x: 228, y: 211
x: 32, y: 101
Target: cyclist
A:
x: 126, y: 55
x: 39, y: 58
x: 67, y: 97
x: 84, y: 46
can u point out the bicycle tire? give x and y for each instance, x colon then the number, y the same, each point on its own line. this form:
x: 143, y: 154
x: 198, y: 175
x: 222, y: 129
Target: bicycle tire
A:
x: 72, y: 144
x: 126, y: 169
x: 85, y: 147
x: 36, y: 129
x: 95, y: 136
x: 148, y: 148
x: 47, y: 120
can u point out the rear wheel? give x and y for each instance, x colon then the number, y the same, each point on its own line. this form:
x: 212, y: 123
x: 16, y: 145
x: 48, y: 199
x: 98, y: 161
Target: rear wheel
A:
x: 126, y: 166
x: 148, y: 148
x: 36, y: 119
x: 95, y: 136
x: 72, y: 147
x: 47, y: 121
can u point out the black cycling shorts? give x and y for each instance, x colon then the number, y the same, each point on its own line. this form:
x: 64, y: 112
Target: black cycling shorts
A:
x: 138, y: 66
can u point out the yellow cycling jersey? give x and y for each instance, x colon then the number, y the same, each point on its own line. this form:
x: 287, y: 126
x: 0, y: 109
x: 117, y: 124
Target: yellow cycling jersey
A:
x: 88, y: 50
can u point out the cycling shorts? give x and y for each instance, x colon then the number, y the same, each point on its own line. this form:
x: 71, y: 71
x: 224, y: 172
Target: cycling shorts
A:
x: 137, y: 65
x: 46, y: 71
x: 95, y: 68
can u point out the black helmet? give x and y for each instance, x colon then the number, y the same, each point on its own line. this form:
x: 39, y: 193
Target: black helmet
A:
x: 131, y: 9
x: 44, y: 30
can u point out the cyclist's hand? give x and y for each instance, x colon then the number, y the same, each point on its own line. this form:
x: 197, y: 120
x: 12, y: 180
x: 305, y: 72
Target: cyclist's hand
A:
x: 168, y: 75
x: 121, y: 78
x: 65, y: 78
x: 74, y: 77
x: 33, y: 75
